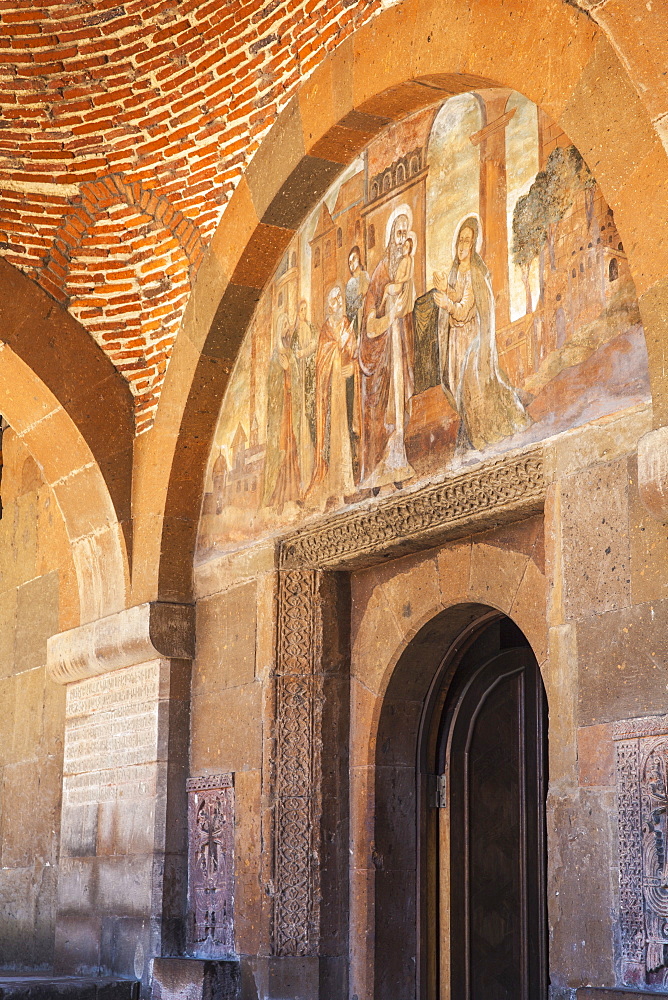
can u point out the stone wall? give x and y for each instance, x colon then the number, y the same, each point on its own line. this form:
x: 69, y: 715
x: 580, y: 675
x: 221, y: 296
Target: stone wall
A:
x: 38, y: 596
x: 584, y: 582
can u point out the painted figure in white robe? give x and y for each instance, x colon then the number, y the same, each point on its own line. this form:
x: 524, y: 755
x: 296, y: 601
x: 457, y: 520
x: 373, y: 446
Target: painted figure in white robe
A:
x: 386, y: 356
x: 477, y: 388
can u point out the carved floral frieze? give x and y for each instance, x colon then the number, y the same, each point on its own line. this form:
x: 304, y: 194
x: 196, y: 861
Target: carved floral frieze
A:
x: 483, y: 497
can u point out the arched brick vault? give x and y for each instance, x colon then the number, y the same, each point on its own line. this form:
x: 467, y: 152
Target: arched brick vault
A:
x: 120, y: 310
x: 413, y: 55
x: 95, y: 198
x: 73, y: 411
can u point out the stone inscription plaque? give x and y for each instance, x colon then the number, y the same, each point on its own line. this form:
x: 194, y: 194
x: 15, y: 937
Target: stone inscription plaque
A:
x: 111, y: 736
x: 211, y: 866
x: 642, y: 802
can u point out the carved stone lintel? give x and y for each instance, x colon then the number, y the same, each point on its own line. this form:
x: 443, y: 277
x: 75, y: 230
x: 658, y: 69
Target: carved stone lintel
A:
x: 297, y: 798
x: 496, y: 493
x: 642, y: 803
x: 136, y: 635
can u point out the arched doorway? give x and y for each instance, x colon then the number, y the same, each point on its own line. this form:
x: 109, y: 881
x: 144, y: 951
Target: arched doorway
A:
x: 485, y: 735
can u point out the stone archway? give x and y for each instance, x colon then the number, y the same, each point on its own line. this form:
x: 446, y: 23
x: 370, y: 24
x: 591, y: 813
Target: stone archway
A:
x: 408, y: 58
x: 81, y: 380
x: 68, y: 464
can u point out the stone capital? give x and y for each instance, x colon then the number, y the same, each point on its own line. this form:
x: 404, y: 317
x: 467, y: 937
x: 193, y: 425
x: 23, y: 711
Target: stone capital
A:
x: 653, y: 472
x: 136, y: 635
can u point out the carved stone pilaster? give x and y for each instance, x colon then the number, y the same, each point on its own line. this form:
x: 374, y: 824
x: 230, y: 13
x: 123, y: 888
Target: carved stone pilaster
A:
x: 642, y: 803
x: 298, y: 746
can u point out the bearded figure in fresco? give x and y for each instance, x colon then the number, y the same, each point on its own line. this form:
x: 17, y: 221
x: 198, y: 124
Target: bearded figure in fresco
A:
x: 334, y: 365
x: 476, y: 387
x: 303, y: 344
x: 386, y: 359
x: 356, y: 288
x: 283, y: 479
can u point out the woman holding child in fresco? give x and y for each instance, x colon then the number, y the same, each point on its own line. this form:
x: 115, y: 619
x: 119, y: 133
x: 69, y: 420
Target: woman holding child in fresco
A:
x: 478, y: 390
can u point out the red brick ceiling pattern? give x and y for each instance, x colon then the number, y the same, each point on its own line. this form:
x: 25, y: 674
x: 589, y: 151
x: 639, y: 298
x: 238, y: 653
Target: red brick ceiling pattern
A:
x: 123, y: 130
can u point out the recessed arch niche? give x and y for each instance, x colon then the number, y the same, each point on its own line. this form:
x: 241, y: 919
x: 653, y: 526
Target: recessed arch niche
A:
x: 449, y: 299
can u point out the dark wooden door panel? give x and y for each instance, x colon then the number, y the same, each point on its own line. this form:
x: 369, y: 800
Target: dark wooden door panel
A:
x: 497, y: 873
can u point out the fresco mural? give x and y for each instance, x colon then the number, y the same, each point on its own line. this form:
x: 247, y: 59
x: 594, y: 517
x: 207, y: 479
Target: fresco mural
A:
x: 461, y: 290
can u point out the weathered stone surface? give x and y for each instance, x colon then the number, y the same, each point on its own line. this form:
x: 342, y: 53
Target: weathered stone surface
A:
x: 226, y: 639
x: 653, y: 472
x: 618, y: 653
x: 134, y: 636
x: 66, y: 988
x: 37, y: 620
x: 580, y: 842
x: 649, y: 546
x: 596, y: 756
x: 600, y: 993
x: 229, y: 740
x: 595, y: 541
x: 191, y: 979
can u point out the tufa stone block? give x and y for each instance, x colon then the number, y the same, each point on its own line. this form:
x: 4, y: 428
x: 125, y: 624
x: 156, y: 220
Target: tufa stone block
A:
x: 66, y: 988
x: 192, y: 979
x: 653, y: 472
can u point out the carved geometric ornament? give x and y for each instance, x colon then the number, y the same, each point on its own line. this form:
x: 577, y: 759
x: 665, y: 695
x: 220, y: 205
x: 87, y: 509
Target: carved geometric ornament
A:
x: 492, y: 494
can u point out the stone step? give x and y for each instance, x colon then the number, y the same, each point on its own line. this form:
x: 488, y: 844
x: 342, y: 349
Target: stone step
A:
x: 66, y: 988
x: 612, y: 993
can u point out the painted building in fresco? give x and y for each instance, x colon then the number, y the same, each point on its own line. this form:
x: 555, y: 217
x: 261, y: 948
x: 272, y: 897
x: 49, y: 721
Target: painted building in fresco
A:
x: 461, y: 290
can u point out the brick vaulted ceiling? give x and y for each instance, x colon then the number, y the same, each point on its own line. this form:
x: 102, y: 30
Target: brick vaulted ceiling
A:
x: 123, y: 130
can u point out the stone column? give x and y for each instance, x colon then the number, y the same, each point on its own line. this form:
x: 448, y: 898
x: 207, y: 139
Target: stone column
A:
x: 123, y: 848
x: 493, y: 197
x: 309, y: 939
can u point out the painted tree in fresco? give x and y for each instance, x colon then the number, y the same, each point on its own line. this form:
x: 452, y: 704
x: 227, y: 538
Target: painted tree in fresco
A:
x: 538, y: 212
x: 529, y: 237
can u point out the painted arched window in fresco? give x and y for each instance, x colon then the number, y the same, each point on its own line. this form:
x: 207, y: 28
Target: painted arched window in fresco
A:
x: 469, y: 310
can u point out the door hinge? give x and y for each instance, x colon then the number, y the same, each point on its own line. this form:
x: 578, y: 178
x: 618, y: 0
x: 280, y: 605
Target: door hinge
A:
x: 438, y: 791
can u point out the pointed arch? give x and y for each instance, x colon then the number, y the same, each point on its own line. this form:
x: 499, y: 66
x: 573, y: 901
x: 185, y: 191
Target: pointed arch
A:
x: 73, y: 411
x: 408, y: 58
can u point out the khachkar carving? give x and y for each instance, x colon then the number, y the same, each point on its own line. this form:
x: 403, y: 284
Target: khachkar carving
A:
x: 642, y: 786
x: 298, y: 740
x: 211, y: 866
x: 495, y: 493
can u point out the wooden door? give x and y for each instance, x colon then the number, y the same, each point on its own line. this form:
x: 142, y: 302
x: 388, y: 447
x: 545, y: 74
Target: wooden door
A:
x: 495, y: 836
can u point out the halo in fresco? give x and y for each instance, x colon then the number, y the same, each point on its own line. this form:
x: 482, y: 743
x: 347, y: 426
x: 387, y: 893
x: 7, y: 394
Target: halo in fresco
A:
x: 461, y: 290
